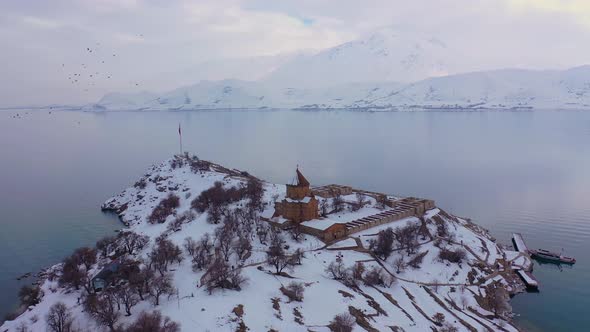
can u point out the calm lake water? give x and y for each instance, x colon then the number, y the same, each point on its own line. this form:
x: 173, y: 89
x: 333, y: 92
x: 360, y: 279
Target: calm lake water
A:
x: 525, y: 172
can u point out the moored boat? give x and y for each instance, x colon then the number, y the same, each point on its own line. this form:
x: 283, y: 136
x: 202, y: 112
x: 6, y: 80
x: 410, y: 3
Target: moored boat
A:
x: 553, y: 257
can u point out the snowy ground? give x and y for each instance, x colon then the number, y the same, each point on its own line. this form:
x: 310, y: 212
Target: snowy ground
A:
x: 409, y: 304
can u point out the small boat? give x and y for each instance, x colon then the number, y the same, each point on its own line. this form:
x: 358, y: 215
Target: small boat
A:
x: 553, y: 257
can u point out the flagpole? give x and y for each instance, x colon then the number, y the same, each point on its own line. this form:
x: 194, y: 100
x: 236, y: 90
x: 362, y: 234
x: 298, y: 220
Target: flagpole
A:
x: 180, y: 138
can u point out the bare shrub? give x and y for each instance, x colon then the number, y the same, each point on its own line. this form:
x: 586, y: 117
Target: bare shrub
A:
x: 217, y: 196
x: 438, y: 318
x: 164, y: 209
x: 220, y: 275
x: 376, y: 276
x: 59, y: 318
x: 358, y: 270
x: 294, y: 291
x: 29, y: 295
x: 140, y: 184
x: 153, y: 322
x: 453, y: 256
x: 342, y: 323
x: 416, y: 261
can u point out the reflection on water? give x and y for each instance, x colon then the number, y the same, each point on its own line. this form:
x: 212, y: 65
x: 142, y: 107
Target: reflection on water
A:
x: 510, y: 171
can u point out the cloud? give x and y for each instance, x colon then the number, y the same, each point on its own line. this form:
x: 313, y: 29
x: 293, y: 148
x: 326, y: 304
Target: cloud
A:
x: 577, y: 9
x: 42, y: 23
x: 149, y: 37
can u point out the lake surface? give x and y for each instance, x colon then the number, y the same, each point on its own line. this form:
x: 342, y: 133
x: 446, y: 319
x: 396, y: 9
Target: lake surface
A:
x: 525, y: 172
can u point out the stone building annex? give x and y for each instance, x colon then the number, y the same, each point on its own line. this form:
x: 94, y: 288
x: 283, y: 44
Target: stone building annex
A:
x: 360, y: 210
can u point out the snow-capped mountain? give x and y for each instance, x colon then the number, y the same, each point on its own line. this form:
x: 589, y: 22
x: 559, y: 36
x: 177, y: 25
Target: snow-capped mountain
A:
x: 501, y: 89
x: 384, y: 55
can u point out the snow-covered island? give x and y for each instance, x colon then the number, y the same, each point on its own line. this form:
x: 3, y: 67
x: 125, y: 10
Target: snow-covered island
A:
x: 207, y: 248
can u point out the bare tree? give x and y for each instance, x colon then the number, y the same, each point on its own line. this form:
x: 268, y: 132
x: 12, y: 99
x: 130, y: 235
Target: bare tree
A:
x: 140, y: 282
x: 59, y: 318
x: 102, y: 307
x: 128, y: 297
x: 242, y: 248
x: 255, y: 193
x: 342, y: 323
x: 382, y: 201
x: 224, y: 237
x: 86, y: 256
x: 191, y: 246
x: 133, y: 241
x: 164, y: 253
x: 71, y: 274
x: 464, y: 302
x: 337, y: 203
x: 324, y: 207
x: 497, y: 298
x: 160, y: 285
x: 153, y: 322
x: 382, y: 247
x: 296, y: 232
x: 408, y: 237
x: 106, y: 245
x: 276, y: 255
x: 262, y: 230
x: 358, y: 270
x: 336, y: 269
x: 360, y: 201
x: 399, y: 264
x: 23, y: 327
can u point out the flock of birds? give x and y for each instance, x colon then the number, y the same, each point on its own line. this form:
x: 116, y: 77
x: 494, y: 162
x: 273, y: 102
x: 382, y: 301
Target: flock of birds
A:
x: 88, y: 74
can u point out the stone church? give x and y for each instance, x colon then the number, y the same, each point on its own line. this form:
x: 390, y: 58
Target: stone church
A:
x: 299, y: 204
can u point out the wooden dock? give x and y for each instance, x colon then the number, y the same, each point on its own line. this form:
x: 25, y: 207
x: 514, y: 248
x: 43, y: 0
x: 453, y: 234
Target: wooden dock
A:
x: 519, y: 244
x: 530, y: 281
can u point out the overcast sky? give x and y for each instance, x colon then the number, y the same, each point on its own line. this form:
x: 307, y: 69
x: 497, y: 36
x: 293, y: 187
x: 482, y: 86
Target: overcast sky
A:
x: 44, y: 43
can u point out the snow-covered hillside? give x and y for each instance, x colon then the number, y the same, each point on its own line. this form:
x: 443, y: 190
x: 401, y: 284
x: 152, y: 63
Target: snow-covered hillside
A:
x: 422, y: 293
x: 501, y: 89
